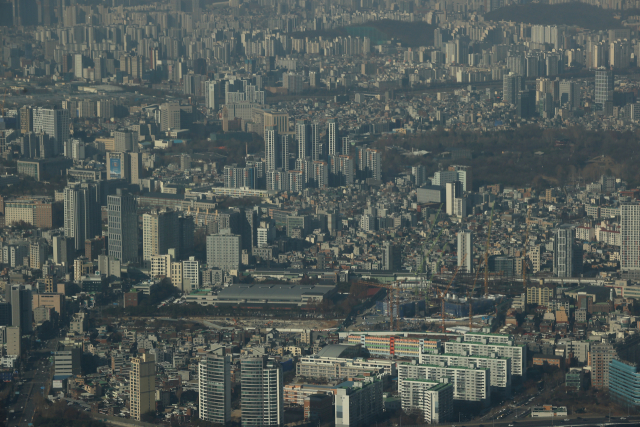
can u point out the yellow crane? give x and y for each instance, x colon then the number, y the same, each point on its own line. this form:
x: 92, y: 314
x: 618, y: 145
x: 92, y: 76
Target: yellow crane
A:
x: 486, y: 254
x: 524, y: 254
x: 393, y: 299
x: 455, y: 273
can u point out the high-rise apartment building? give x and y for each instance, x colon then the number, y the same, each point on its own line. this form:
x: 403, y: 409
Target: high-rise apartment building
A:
x: 261, y: 392
x: 271, y: 148
x: 601, y: 355
x: 465, y: 251
x: 81, y: 213
x: 630, y: 237
x: 303, y: 135
x: 332, y: 134
x: 160, y: 232
x: 214, y: 388
x: 316, y: 143
x: 123, y: 227
x: 142, y: 386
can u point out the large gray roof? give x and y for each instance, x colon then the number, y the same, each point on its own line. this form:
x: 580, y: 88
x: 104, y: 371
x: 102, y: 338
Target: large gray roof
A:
x: 272, y: 292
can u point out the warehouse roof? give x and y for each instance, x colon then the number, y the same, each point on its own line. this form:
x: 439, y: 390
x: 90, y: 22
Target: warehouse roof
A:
x: 273, y: 292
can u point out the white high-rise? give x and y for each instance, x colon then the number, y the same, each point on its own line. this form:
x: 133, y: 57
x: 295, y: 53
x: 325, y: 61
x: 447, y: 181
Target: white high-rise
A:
x: 262, y: 392
x: 160, y: 233
x: 332, y: 131
x: 271, y: 148
x: 465, y: 251
x: 630, y: 237
x: 214, y: 388
x: 303, y: 135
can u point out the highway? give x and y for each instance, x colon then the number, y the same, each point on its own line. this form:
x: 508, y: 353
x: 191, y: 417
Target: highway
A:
x: 39, y: 374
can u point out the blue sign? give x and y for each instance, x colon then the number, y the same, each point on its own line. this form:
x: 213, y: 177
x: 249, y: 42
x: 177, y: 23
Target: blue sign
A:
x: 115, y: 167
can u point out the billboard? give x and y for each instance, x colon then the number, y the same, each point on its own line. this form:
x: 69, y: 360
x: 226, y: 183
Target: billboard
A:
x: 115, y: 168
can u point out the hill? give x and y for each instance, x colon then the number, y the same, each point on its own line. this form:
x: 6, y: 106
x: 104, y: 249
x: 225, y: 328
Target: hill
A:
x: 410, y: 34
x: 572, y: 14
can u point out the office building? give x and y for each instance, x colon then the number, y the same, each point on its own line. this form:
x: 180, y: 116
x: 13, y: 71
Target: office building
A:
x: 624, y: 383
x: 81, y: 213
x: 358, y: 403
x: 67, y: 359
x: 567, y: 255
x: 54, y: 123
x: 465, y: 251
x: 125, y: 141
x: 630, y: 237
x: 123, y: 227
x: 261, y: 392
x: 604, y: 89
x: 569, y: 93
x: 214, y: 389
x: 434, y: 399
x: 142, y: 386
x: 190, y: 275
x: 118, y: 165
x: 453, y: 192
x: 13, y: 345
x: 471, y: 384
x: 512, y: 84
x: 170, y: 116
x: 160, y: 232
x: 224, y: 251
x: 21, y: 308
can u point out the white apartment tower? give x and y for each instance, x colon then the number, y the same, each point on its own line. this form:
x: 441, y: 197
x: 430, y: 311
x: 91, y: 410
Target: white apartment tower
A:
x: 214, y: 389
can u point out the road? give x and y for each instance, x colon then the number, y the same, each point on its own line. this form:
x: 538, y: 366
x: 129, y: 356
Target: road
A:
x: 38, y: 374
x: 557, y: 421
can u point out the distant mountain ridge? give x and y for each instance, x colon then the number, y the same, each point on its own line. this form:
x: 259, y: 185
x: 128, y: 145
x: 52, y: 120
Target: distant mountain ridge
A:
x: 572, y: 14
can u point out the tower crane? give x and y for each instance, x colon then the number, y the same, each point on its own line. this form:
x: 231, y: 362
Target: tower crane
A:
x: 524, y: 254
x: 486, y: 254
x: 393, y: 299
x: 455, y: 273
x: 486, y: 269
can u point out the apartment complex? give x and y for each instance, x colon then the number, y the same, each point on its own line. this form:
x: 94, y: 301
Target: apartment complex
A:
x: 395, y: 346
x: 433, y: 398
x: 261, y: 395
x: 516, y: 353
x: 500, y: 367
x: 471, y: 384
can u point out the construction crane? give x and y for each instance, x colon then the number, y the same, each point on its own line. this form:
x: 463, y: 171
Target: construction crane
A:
x: 455, y: 273
x: 393, y: 299
x: 486, y: 271
x: 524, y: 254
x: 486, y: 254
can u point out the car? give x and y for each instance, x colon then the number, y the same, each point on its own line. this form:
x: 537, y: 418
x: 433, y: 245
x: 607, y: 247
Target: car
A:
x: 566, y: 420
x: 623, y: 418
x: 510, y: 425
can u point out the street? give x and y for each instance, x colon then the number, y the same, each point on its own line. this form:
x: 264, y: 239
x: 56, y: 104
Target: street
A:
x: 34, y: 380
